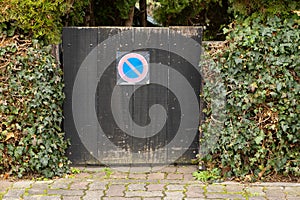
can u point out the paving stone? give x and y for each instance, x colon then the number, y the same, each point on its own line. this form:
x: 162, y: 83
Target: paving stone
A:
x: 61, y: 184
x: 224, y: 196
x: 288, y: 197
x: 174, y: 181
x: 97, y: 185
x: 22, y: 184
x: 39, y: 197
x: 137, y: 176
x: 194, y: 191
x: 195, y: 198
x: 122, y: 198
x: 275, y: 198
x: 81, y: 185
x: 257, y: 198
x: 255, y: 190
x: 41, y: 185
x: 115, y: 190
x: 134, y: 187
x: 175, y: 176
x: 188, y: 177
x: 292, y: 191
x: 174, y: 195
x: 4, y: 185
x: 155, y: 187
x: 215, y: 188
x: 144, y: 194
x: 276, y: 184
x: 66, y: 192
x: 119, y: 175
x: 174, y: 187
x: 34, y: 191
x: 15, y: 193
x: 168, y: 169
x: 83, y: 175
x: 11, y: 198
x: 93, y: 195
x: 152, y: 198
x: 71, y: 197
x: 275, y: 192
x: 156, y: 176
x: 187, y: 169
x: 234, y: 188
x: 97, y: 176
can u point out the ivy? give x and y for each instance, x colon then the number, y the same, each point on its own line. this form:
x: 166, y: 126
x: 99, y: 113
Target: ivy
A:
x: 259, y: 69
x: 31, y: 97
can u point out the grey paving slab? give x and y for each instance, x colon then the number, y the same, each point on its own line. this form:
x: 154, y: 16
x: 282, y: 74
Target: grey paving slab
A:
x: 234, y: 188
x: 137, y: 186
x: 22, y: 184
x: 98, y: 185
x: 175, y: 176
x: 36, y: 191
x: 155, y: 187
x: 71, y: 197
x: 14, y: 193
x: 195, y: 192
x: 187, y: 169
x: 292, y: 191
x: 115, y: 190
x: 174, y: 195
x: 156, y: 176
x: 175, y: 187
x: 255, y: 190
x: 79, y: 185
x: 144, y: 194
x: 215, y: 188
x: 142, y: 176
x: 40, y: 197
x: 61, y: 184
x: 224, y: 196
x: 93, y: 195
x: 257, y: 198
x: 66, y: 192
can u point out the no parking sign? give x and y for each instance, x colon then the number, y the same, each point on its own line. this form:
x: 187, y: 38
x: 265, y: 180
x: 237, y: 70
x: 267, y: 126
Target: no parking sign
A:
x: 133, y: 68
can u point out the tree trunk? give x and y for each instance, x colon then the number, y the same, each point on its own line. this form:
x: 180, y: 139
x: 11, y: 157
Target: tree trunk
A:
x: 129, y: 21
x: 143, y: 15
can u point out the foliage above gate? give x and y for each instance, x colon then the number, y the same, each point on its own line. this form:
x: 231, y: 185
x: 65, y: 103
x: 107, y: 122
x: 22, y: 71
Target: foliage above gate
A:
x: 39, y: 18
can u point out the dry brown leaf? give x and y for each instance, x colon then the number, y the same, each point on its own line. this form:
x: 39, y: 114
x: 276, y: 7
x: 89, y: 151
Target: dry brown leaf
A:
x: 9, y: 135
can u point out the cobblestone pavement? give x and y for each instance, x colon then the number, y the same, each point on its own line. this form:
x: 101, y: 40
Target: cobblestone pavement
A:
x: 171, y: 182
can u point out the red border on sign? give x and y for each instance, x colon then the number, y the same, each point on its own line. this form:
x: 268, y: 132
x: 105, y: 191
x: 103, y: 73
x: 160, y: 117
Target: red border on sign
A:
x: 125, y: 59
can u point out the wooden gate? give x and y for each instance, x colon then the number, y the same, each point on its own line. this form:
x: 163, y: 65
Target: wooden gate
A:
x: 132, y: 94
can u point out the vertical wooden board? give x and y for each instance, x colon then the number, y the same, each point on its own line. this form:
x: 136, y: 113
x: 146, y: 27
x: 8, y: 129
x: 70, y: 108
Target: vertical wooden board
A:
x: 185, y: 65
x: 152, y: 98
x: 76, y: 46
x: 108, y: 118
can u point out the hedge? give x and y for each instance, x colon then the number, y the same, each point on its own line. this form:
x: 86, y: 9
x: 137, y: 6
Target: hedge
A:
x: 31, y: 97
x: 256, y: 132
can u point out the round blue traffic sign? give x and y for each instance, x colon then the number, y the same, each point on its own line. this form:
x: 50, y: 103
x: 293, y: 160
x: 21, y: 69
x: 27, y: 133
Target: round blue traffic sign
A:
x: 133, y: 68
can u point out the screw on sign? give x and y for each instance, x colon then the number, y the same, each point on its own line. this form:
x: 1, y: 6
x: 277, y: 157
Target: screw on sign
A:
x: 133, y: 68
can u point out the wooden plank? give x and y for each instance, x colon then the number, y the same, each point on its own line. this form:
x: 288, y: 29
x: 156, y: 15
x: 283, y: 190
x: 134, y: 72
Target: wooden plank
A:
x: 76, y: 46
